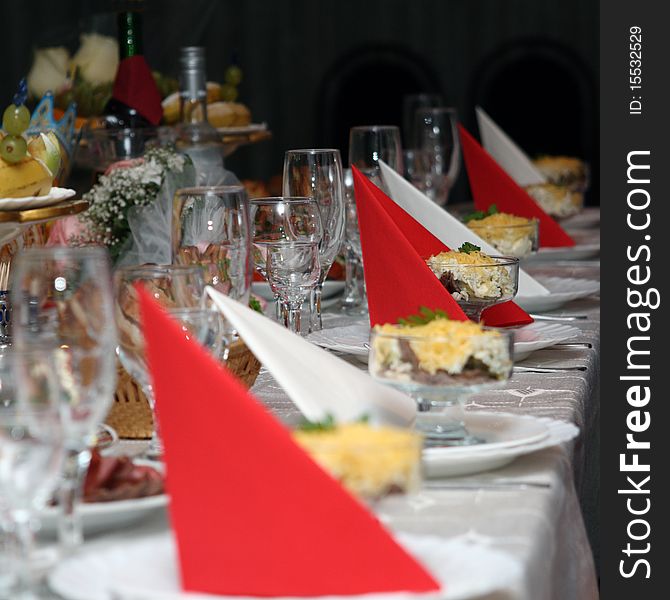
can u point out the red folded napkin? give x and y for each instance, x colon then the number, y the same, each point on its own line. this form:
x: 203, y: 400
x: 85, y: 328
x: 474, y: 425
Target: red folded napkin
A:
x: 252, y: 513
x: 397, y: 279
x: 491, y: 185
x: 135, y: 87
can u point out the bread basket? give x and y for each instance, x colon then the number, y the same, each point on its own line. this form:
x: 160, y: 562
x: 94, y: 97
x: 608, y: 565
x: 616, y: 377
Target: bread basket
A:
x: 130, y: 415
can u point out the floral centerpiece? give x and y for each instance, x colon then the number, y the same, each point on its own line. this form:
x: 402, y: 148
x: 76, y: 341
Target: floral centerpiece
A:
x: 130, y: 207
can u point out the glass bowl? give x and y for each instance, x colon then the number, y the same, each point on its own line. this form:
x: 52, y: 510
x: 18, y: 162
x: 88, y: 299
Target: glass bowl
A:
x: 558, y: 201
x: 478, y: 287
x: 370, y: 462
x: 518, y: 241
x: 441, y: 371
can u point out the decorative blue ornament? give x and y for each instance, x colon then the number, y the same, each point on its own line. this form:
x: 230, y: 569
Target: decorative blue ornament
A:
x: 21, y: 93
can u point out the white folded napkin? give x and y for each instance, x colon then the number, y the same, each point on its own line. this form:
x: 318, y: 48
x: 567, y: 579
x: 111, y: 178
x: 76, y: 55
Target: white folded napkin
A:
x: 506, y: 153
x: 318, y: 383
x: 447, y: 228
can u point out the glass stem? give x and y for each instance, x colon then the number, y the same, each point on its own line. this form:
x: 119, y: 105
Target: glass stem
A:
x: 155, y: 449
x: 70, y: 531
x: 25, y: 538
x: 315, y: 323
x: 293, y: 318
x: 474, y: 313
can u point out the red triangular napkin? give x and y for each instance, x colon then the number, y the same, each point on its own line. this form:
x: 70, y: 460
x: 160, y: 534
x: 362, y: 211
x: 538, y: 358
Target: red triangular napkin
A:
x: 397, y: 279
x: 491, y: 185
x: 252, y: 513
x: 135, y: 87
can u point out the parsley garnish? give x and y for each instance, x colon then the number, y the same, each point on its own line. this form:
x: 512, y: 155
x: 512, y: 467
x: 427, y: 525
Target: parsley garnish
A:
x: 424, y: 316
x: 478, y: 215
x: 467, y: 247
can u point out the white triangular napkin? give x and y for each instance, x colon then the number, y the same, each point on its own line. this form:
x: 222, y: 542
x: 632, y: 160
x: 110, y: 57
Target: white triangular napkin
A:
x: 317, y: 382
x: 506, y: 153
x: 447, y: 228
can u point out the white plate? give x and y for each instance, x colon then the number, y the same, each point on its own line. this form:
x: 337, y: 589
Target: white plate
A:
x: 563, y: 290
x: 589, y: 218
x: 538, y: 335
x: 466, y: 460
x: 104, y: 516
x: 55, y: 196
x: 243, y: 129
x: 146, y: 569
x: 577, y: 252
x: 330, y: 290
x: 352, y: 339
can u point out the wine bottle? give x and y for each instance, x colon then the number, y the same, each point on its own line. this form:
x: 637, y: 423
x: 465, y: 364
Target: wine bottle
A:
x: 195, y: 136
x: 136, y: 101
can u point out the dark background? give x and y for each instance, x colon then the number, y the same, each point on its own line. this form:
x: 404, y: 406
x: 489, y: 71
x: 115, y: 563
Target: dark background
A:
x: 314, y: 68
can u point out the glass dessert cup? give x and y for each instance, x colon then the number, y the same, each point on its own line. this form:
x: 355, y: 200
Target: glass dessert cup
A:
x: 370, y: 462
x: 518, y: 241
x: 440, y: 372
x: 476, y: 287
x: 558, y: 201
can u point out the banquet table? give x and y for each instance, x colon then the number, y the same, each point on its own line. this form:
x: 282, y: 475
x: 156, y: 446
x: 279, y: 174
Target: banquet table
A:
x: 539, y: 525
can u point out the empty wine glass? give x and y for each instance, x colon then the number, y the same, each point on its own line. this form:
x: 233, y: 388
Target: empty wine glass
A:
x: 437, y: 153
x: 173, y: 287
x: 210, y: 227
x: 410, y: 104
x: 371, y: 143
x: 293, y: 271
x: 63, y: 297
x: 281, y: 219
x: 318, y: 173
x: 31, y: 453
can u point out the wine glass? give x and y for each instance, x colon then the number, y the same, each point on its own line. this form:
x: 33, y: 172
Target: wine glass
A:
x: 31, y: 451
x: 410, y: 104
x: 63, y: 297
x: 368, y: 144
x: 318, y: 173
x: 173, y: 287
x: 437, y: 152
x: 440, y: 371
x: 281, y: 218
x: 210, y: 227
x: 293, y: 270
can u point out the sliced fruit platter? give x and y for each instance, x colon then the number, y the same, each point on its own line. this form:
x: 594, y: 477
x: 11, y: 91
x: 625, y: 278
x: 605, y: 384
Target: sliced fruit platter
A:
x: 29, y: 164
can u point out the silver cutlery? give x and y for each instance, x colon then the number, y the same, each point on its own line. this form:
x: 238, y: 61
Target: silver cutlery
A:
x: 522, y: 369
x: 574, y: 345
x: 509, y: 486
x: 540, y: 317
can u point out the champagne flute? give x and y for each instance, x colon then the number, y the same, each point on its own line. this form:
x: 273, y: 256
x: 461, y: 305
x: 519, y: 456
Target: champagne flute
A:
x: 318, y: 173
x: 63, y: 297
x: 410, y: 104
x: 282, y: 219
x: 369, y: 144
x: 437, y: 153
x: 173, y: 287
x: 31, y: 451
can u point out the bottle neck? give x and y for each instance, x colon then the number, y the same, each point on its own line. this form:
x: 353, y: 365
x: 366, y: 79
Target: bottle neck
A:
x: 193, y: 96
x: 130, y: 34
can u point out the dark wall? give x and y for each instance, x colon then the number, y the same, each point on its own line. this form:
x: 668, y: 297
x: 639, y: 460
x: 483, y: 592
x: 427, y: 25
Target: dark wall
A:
x: 286, y: 47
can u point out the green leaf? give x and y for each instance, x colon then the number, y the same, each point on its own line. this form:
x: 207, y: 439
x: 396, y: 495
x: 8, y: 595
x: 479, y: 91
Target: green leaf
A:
x: 474, y: 216
x: 423, y: 317
x: 254, y: 304
x: 326, y: 424
x: 467, y: 247
x: 493, y: 209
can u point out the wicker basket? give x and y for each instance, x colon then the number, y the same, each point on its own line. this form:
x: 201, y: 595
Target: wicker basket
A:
x: 130, y: 414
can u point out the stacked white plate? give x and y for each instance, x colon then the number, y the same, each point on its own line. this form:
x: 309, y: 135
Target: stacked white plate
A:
x: 507, y: 436
x: 354, y: 339
x: 562, y: 290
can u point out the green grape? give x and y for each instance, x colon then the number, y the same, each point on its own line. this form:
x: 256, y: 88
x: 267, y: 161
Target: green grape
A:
x: 233, y: 75
x: 13, y: 148
x: 228, y: 92
x: 15, y: 119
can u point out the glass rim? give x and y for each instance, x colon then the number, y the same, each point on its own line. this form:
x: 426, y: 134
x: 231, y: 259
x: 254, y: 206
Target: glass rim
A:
x: 210, y: 190
x: 501, y: 261
x: 68, y: 251
x: 284, y: 242
x: 436, y: 109
x: 312, y: 151
x: 164, y: 269
x: 375, y: 128
x: 283, y: 200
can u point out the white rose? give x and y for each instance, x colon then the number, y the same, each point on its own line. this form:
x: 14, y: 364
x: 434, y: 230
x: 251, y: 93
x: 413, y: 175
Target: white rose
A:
x: 49, y: 71
x: 97, y: 58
